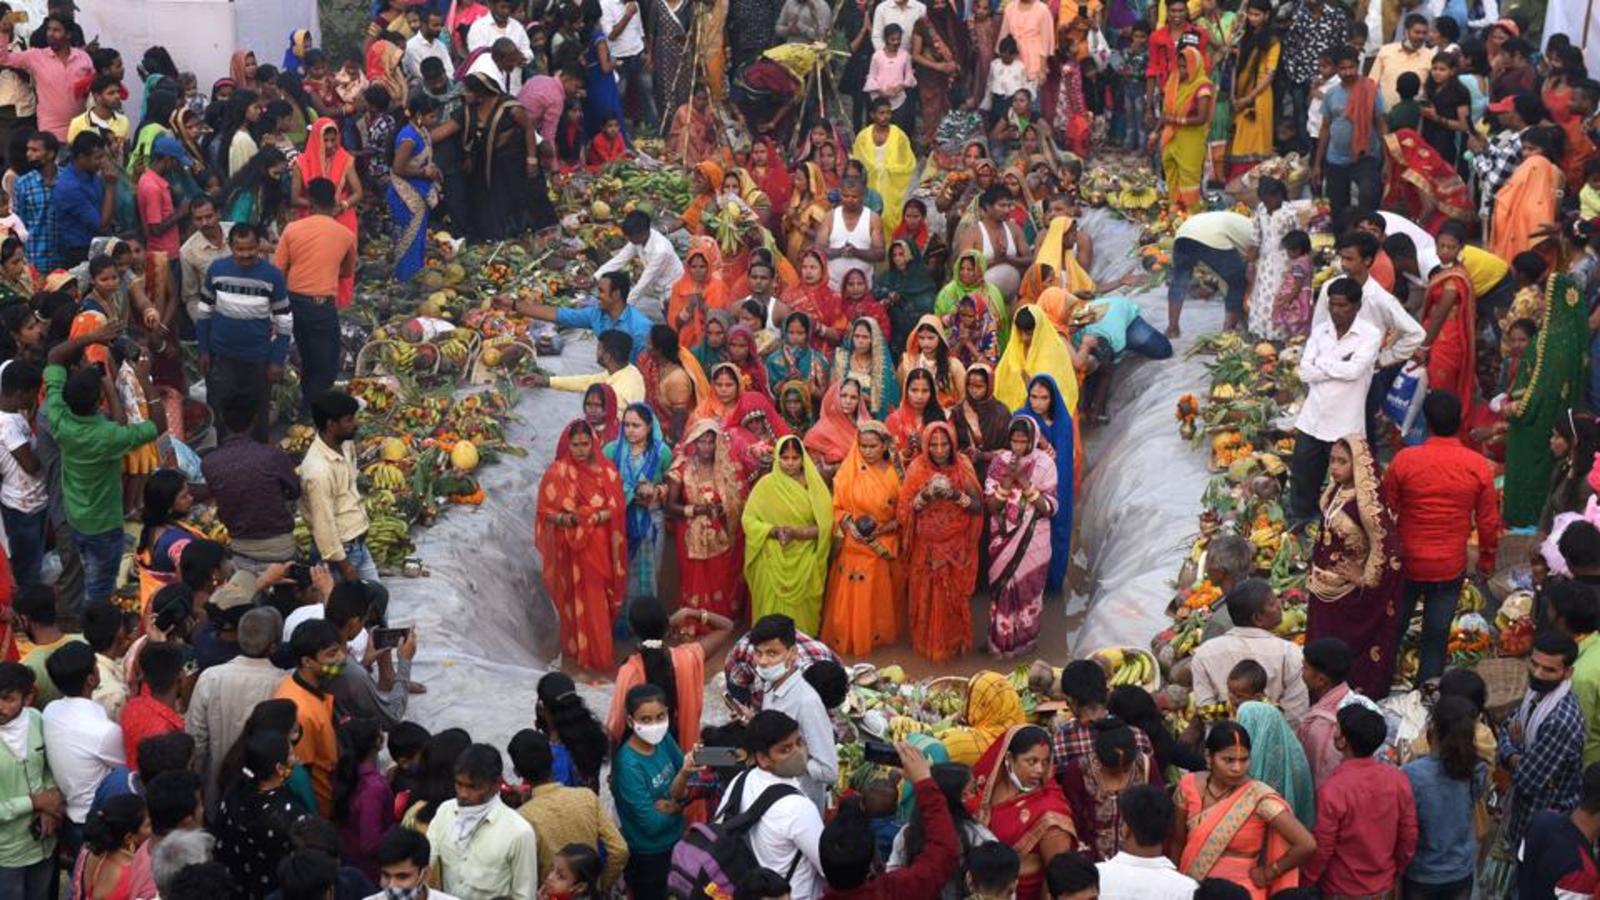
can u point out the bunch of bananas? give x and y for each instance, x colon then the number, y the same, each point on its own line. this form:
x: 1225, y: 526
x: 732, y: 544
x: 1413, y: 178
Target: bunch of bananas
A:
x: 1136, y: 669
x: 381, y: 501
x: 385, y: 476
x: 298, y: 439
x: 389, y: 539
x: 400, y: 356
x: 455, y: 352
x: 302, y: 536
x: 901, y: 726
x: 378, y: 396
x: 945, y: 704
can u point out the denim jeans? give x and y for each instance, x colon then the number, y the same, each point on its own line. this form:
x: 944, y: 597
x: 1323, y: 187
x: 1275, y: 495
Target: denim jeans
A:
x: 1133, y: 106
x: 359, y: 556
x: 1450, y: 890
x: 1145, y: 340
x: 102, y: 555
x: 637, y: 79
x: 1364, y: 174
x: 316, y: 333
x: 26, y: 533
x: 1439, y: 600
x: 1228, y: 264
x: 35, y: 882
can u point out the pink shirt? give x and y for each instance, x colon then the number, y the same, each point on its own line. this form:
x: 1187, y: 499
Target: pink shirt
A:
x: 1316, y: 733
x: 888, y: 72
x: 155, y: 205
x: 1035, y: 30
x: 545, y: 100
x: 53, y: 83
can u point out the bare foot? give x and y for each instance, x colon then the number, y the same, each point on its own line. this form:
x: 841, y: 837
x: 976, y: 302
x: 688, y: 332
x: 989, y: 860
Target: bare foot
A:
x: 416, y: 687
x: 1173, y: 333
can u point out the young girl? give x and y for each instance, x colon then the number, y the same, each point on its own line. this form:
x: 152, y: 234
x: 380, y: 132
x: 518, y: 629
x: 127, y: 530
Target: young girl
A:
x: 1007, y: 75
x: 569, y: 136
x: 363, y: 799
x: 607, y: 145
x: 890, y: 76
x: 1292, y: 305
x: 649, y: 782
x: 574, y: 875
x: 134, y: 390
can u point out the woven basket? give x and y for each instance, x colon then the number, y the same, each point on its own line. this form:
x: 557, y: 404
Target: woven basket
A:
x: 1507, y: 682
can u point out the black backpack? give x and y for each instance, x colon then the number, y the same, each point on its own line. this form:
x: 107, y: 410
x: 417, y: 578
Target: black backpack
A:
x: 719, y: 854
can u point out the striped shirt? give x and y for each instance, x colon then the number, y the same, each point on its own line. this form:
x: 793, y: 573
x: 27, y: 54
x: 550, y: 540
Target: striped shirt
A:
x: 244, y: 313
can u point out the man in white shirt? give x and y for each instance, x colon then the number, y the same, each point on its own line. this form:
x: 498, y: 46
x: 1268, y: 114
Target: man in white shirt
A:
x: 1256, y: 612
x: 481, y: 848
x: 1336, y: 367
x: 24, y: 499
x: 785, y: 838
x: 503, y: 64
x: 81, y: 742
x: 621, y: 20
x: 1142, y: 871
x: 499, y: 24
x: 1401, y: 335
x: 787, y: 691
x: 1426, y: 246
x: 904, y: 13
x: 661, y: 271
x: 427, y: 43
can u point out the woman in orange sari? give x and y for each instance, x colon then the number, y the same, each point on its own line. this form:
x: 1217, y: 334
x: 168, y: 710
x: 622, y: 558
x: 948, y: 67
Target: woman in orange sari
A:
x: 581, y: 537
x: 1019, y: 800
x: 1529, y: 200
x: 940, y: 515
x: 1449, y: 313
x: 862, y: 605
x: 705, y: 499
x: 1232, y: 827
x: 704, y: 179
x: 324, y: 157
x: 699, y: 290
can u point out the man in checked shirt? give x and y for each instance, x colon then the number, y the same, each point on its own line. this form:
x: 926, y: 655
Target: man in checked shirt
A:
x: 1494, y: 160
x: 1083, y: 683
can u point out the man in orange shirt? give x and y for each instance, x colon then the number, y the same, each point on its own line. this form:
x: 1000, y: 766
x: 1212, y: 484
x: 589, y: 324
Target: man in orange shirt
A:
x: 314, y: 253
x: 319, y: 660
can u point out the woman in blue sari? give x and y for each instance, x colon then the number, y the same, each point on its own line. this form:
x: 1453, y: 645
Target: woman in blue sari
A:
x: 794, y: 358
x: 642, y: 458
x: 411, y: 193
x: 1047, y: 409
x: 602, y: 100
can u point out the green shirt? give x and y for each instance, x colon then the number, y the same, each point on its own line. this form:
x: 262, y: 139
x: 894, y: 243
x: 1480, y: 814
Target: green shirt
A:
x: 92, y: 448
x: 45, y: 688
x: 1586, y: 688
x: 19, y: 779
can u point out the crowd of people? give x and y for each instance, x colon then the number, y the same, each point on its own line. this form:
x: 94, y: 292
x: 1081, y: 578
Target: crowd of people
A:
x: 846, y: 424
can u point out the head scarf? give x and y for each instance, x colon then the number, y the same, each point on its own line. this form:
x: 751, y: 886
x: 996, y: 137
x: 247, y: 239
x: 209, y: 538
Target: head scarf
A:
x: 175, y: 125
x: 1375, y: 520
x: 777, y: 499
x: 1047, y: 354
x: 713, y: 292
x: 236, y: 64
x: 956, y: 288
x: 1060, y: 433
x: 700, y: 539
x: 985, y: 332
x: 834, y: 434
x: 294, y: 56
x: 647, y: 468
x: 816, y: 186
x: 786, y: 359
x: 803, y: 388
x: 1278, y: 760
x: 914, y: 280
x: 753, y: 370
x: 1178, y: 93
x: 613, y: 418
x: 885, y: 390
x: 919, y: 237
x: 1061, y: 257
x: 775, y: 181
x: 710, y: 356
x: 993, y: 707
x: 384, y: 68
x: 982, y: 423
x: 710, y: 405
x: 314, y: 160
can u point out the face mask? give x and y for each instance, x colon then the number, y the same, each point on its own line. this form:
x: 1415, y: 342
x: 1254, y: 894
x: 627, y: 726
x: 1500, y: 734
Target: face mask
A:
x: 1017, y: 782
x: 1543, y: 685
x: 332, y: 671
x: 772, y: 673
x: 791, y: 766
x: 403, y: 893
x: 651, y: 734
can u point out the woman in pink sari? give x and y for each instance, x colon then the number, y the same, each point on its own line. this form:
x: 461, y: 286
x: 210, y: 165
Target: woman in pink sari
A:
x: 1020, y: 493
x: 1230, y: 826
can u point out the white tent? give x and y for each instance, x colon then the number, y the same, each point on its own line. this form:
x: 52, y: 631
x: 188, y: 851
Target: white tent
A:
x: 200, y: 34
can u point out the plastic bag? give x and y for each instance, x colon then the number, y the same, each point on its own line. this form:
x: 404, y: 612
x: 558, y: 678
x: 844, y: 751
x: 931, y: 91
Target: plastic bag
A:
x: 1404, y: 399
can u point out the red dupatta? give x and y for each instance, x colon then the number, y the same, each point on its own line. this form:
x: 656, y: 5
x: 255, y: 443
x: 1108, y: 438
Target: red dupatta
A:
x: 818, y: 301
x: 611, y: 426
x: 1452, y: 361
x: 585, y: 565
x: 314, y: 163
x: 774, y: 181
x: 753, y: 370
x: 834, y: 433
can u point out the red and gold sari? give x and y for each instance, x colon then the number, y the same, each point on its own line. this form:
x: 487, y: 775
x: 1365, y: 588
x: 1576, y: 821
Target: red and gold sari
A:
x: 941, y: 550
x: 1421, y: 184
x: 819, y: 302
x: 586, y: 565
x: 1452, y: 361
x: 1226, y: 839
x: 862, y: 608
x: 1022, y: 822
x: 710, y: 548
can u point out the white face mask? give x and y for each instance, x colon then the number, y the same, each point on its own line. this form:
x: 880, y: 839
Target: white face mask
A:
x: 651, y: 734
x: 1017, y: 782
x: 772, y: 673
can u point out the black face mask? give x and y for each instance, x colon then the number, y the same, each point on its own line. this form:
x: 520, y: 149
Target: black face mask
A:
x: 1543, y: 685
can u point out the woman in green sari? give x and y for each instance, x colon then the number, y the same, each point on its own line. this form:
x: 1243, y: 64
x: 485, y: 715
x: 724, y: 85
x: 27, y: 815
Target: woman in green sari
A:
x: 907, y: 288
x: 788, y: 523
x: 712, y: 350
x: 1547, y: 383
x: 968, y: 279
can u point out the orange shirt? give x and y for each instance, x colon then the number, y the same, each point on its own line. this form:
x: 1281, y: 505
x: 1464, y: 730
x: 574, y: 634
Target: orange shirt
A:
x: 314, y: 253
x: 318, y: 747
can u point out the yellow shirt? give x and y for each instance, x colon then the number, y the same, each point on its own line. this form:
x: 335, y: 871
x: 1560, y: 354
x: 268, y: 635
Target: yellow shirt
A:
x: 329, y: 500
x: 1484, y: 269
x: 118, y: 126
x: 568, y: 815
x: 626, y: 381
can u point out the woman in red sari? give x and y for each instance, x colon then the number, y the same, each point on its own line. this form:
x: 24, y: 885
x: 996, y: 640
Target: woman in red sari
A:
x: 753, y: 427
x: 1230, y: 826
x: 1449, y: 313
x: 582, y: 539
x: 767, y: 171
x: 1421, y: 184
x: 832, y: 438
x: 705, y: 498
x: 1019, y: 800
x: 917, y: 410
x: 744, y: 353
x: 600, y: 410
x: 940, y: 510
x: 818, y: 301
x: 324, y: 157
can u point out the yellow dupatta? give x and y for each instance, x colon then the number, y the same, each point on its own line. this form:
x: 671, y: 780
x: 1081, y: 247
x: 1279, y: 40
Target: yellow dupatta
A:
x: 1062, y: 257
x: 1177, y: 94
x: 788, y: 578
x: 1046, y: 354
x: 891, y: 178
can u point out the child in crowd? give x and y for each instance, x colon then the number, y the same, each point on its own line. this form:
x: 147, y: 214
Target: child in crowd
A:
x: 350, y: 83
x: 1293, y: 304
x: 992, y: 870
x: 1407, y: 113
x: 1528, y: 268
x: 1327, y: 77
x: 1129, y: 65
x: 574, y: 874
x: 1246, y: 681
x: 376, y: 129
x: 1589, y: 196
x: 890, y: 76
x: 607, y: 145
x: 193, y: 100
x: 1006, y: 76
x: 1006, y: 135
x: 134, y: 392
x: 1489, y: 426
x: 405, y: 749
x: 878, y: 799
x: 569, y: 136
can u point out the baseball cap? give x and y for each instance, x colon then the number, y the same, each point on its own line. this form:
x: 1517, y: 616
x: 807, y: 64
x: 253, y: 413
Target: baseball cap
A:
x: 167, y: 145
x: 1527, y: 106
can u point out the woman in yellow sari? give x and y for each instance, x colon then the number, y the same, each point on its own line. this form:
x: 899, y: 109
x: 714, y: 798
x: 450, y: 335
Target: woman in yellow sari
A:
x: 1033, y: 351
x: 1529, y: 200
x: 1229, y: 825
x: 886, y: 153
x: 807, y: 211
x: 788, y: 527
x: 1187, y: 101
x: 864, y: 602
x: 1063, y: 260
x: 705, y: 180
x: 993, y: 708
x: 1256, y: 63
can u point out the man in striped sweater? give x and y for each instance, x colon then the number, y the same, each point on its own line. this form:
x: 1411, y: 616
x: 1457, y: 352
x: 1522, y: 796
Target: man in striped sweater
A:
x: 243, y: 324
